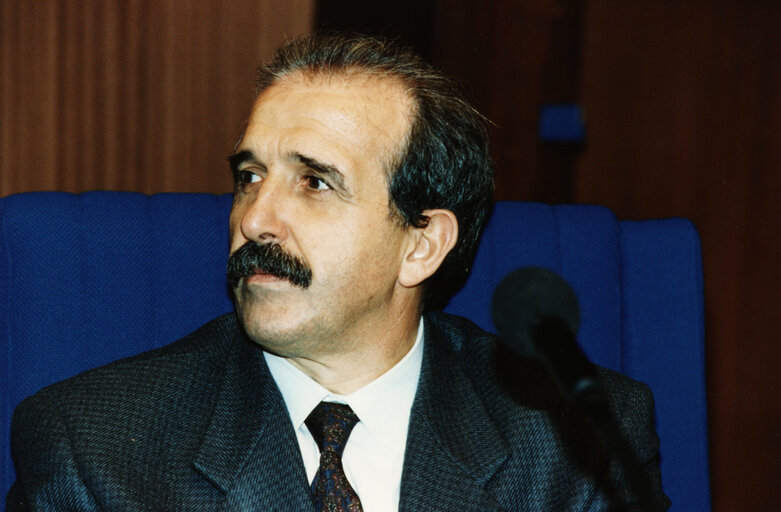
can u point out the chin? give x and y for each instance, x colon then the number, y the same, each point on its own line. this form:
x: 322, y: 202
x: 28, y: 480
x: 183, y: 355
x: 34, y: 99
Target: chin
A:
x: 271, y: 327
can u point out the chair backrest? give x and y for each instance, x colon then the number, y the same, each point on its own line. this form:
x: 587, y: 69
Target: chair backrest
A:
x: 86, y: 279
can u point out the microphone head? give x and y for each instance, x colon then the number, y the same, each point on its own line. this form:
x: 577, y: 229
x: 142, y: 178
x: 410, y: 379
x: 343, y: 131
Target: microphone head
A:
x: 528, y: 296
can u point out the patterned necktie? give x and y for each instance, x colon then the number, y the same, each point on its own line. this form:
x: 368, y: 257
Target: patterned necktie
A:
x: 330, y: 425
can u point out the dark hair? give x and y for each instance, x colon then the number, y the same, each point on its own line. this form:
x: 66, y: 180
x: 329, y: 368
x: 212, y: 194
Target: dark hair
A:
x: 444, y: 162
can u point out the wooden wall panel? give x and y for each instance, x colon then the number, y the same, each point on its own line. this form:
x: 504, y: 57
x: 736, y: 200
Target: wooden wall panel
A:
x: 683, y: 108
x: 131, y: 95
x: 515, y: 57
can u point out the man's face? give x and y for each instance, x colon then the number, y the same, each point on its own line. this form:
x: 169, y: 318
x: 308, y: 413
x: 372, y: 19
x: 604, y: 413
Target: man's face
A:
x: 311, y: 179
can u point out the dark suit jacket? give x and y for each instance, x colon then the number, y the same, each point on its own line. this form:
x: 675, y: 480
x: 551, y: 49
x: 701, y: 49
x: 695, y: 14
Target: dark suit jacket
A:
x: 200, y: 425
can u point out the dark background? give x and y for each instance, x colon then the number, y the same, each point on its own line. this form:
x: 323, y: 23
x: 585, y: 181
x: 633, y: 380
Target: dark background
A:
x: 681, y: 102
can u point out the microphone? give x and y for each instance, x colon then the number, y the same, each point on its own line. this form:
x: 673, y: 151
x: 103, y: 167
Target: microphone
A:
x: 537, y: 315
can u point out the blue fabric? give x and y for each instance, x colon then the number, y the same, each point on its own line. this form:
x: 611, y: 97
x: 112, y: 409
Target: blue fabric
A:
x: 663, y: 340
x: 581, y: 243
x: 89, y: 278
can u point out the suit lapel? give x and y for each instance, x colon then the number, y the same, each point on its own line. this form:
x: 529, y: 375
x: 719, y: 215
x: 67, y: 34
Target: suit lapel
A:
x: 249, y: 451
x: 453, y: 447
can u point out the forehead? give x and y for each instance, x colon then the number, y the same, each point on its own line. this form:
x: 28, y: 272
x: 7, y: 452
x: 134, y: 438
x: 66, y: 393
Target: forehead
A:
x: 352, y: 116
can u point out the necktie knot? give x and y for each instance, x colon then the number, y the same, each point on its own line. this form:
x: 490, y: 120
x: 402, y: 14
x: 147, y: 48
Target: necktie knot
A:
x: 330, y: 424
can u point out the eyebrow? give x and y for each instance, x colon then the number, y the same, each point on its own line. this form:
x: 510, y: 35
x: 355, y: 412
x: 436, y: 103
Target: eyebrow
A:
x: 322, y: 168
x: 236, y: 159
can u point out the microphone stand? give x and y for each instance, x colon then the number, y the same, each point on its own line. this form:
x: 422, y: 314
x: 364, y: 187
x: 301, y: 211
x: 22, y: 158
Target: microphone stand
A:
x: 579, y: 380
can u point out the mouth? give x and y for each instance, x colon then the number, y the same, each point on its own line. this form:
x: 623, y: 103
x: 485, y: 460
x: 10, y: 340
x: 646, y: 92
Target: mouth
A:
x: 258, y: 276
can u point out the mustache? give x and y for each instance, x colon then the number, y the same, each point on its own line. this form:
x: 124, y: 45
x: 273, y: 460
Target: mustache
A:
x: 269, y: 258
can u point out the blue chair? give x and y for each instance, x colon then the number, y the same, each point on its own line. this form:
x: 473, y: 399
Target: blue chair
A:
x: 86, y: 279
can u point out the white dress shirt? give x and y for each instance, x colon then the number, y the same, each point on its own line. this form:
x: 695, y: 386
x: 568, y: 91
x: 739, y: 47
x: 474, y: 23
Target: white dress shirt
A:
x: 374, y: 455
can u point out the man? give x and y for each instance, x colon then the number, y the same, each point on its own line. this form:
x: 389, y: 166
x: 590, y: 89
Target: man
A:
x: 362, y: 182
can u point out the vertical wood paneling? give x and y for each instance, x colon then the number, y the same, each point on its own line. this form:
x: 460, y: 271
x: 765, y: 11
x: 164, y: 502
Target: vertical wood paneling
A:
x: 144, y: 95
x: 515, y: 57
x: 683, y: 104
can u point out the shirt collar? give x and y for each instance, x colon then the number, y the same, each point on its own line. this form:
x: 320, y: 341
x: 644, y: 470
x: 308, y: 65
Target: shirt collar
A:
x: 383, y: 405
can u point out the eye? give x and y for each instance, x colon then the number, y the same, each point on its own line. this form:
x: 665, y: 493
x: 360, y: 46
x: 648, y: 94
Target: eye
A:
x: 246, y: 177
x: 316, y: 183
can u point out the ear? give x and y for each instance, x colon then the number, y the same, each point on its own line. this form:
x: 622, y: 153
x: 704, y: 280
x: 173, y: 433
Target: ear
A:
x: 429, y: 246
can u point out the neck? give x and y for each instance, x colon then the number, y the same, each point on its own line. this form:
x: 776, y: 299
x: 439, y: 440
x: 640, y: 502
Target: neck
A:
x: 368, y: 357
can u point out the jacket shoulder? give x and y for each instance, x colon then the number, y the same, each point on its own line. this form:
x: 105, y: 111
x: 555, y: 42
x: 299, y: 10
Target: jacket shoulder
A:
x: 127, y: 393
x: 538, y: 421
x: 485, y: 356
x: 125, y: 421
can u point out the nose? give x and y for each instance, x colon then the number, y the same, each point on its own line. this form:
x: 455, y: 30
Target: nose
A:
x: 262, y: 217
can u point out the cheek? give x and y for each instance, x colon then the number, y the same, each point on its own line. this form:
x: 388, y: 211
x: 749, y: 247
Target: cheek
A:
x: 375, y: 255
x: 337, y: 254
